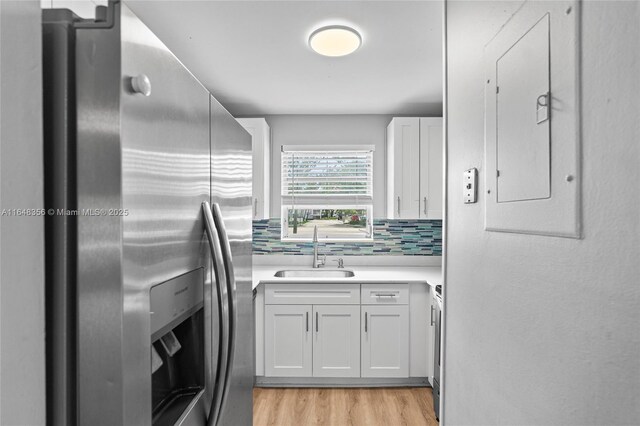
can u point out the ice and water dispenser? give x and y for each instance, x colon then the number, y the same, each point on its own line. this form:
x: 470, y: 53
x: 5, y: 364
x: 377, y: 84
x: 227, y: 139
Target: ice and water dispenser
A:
x: 177, y: 345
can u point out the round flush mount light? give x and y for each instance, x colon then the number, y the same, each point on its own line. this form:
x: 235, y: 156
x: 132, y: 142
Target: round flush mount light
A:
x: 335, y: 40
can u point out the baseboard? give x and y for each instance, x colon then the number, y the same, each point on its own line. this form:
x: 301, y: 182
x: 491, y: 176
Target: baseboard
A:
x: 339, y: 382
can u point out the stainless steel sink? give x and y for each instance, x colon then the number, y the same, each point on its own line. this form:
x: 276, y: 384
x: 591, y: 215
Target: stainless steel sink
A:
x: 314, y: 273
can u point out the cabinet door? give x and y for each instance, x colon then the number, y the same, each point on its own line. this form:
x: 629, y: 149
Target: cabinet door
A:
x: 258, y: 313
x: 420, y: 346
x: 403, y: 172
x: 261, y: 139
x: 431, y: 168
x: 287, y: 341
x: 336, y: 343
x: 385, y: 341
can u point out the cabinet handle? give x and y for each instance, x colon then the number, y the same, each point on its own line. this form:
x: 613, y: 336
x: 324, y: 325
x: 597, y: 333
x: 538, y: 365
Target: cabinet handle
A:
x: 316, y: 322
x: 398, y: 206
x: 308, y: 320
x: 425, y: 206
x: 255, y: 207
x: 365, y: 322
x: 431, y: 315
x: 385, y: 294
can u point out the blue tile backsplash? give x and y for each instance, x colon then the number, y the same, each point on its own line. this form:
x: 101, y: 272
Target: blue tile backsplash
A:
x: 395, y: 237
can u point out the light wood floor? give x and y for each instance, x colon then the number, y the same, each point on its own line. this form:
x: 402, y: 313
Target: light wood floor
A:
x: 343, y: 406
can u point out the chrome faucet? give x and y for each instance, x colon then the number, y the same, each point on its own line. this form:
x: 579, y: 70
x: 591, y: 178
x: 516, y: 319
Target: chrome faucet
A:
x: 316, y: 261
x: 340, y: 262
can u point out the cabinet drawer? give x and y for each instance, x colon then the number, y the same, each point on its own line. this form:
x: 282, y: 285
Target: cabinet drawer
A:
x: 385, y: 294
x: 312, y: 294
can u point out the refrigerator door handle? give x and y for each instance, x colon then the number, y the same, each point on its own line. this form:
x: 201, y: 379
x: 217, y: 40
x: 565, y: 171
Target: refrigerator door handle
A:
x: 223, y: 297
x: 233, y: 299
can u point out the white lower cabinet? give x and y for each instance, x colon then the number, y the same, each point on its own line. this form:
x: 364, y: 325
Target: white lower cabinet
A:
x: 312, y: 341
x: 385, y: 341
x: 288, y: 340
x: 336, y: 342
x: 344, y: 331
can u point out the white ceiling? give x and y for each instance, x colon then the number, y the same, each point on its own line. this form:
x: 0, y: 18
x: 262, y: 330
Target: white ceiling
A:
x: 254, y: 57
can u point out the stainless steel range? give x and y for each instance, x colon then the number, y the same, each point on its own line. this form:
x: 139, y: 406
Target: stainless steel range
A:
x: 148, y: 186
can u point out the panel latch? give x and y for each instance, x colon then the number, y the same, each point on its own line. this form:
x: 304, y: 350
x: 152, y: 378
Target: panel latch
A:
x: 542, y: 108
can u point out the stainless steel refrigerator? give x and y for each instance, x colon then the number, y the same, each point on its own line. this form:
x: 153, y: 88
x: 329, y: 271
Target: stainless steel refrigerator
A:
x: 148, y: 233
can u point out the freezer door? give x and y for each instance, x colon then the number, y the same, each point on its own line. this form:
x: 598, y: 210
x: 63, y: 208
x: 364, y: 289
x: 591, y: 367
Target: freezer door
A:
x: 164, y: 131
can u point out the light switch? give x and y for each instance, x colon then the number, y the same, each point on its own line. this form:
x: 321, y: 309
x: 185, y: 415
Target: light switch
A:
x: 470, y: 182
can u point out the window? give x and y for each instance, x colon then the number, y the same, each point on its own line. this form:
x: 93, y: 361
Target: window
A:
x: 328, y: 189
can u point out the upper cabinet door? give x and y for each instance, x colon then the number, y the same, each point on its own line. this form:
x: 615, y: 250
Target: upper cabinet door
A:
x: 261, y: 137
x: 431, y: 167
x: 336, y: 343
x: 403, y: 168
x: 414, y: 168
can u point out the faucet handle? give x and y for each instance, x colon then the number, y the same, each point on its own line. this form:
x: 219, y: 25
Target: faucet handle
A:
x: 340, y: 262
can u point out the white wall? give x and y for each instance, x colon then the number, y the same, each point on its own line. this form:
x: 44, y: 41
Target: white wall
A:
x: 22, y: 365
x: 544, y: 330
x: 330, y: 130
x: 83, y: 8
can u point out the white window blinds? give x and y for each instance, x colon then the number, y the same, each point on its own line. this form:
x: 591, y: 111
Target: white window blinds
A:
x: 323, y: 177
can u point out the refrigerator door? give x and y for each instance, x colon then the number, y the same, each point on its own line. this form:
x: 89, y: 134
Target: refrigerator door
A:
x: 165, y: 179
x: 231, y: 191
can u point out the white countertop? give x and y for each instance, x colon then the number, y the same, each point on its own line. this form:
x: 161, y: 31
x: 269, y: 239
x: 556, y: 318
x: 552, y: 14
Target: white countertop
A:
x: 431, y: 275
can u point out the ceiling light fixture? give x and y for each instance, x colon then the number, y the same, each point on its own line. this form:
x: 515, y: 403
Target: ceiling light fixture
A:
x: 335, y: 40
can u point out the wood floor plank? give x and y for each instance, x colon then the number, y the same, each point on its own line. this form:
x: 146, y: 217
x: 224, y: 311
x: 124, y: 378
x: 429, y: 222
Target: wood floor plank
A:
x: 361, y: 414
x: 343, y: 407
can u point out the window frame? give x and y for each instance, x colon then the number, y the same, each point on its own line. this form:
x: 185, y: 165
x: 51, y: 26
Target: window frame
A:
x: 338, y: 202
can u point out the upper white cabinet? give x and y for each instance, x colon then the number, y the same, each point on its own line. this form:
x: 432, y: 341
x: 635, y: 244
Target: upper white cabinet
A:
x: 431, y: 171
x: 83, y: 8
x: 261, y: 137
x: 414, y: 168
x: 403, y: 168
